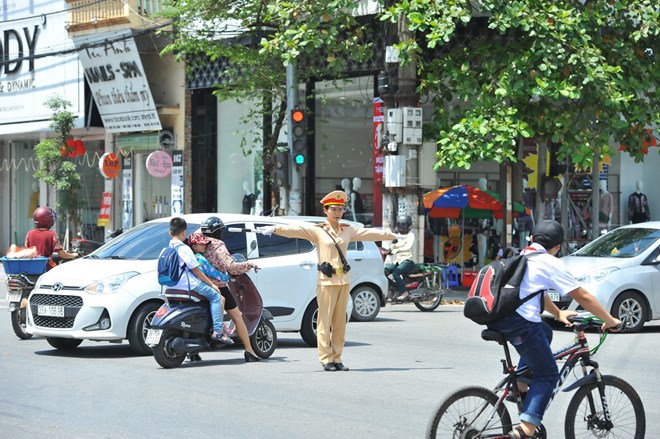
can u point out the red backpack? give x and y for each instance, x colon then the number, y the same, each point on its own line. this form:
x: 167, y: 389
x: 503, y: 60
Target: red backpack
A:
x: 495, y: 292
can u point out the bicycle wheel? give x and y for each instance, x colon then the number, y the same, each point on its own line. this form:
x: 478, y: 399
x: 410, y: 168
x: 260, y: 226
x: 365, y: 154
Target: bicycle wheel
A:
x: 625, y: 407
x: 468, y: 413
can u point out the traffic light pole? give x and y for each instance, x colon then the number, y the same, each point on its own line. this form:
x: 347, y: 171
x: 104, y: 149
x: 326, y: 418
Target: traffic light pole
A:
x: 294, y: 206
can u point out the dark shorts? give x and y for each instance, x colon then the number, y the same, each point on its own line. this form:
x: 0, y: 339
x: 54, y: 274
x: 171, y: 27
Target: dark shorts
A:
x: 230, y: 303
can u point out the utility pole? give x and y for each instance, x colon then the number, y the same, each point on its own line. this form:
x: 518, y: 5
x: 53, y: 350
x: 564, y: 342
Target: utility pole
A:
x: 400, y: 96
x: 294, y: 205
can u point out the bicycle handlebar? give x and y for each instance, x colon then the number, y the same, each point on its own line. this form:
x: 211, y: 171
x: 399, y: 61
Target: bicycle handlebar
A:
x: 595, y: 322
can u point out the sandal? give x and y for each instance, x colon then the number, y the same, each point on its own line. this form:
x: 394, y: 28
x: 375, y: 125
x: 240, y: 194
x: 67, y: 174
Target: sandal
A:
x: 518, y: 433
x: 222, y: 338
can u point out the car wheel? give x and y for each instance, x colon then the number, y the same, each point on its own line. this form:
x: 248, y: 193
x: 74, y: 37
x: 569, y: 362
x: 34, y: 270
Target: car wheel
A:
x: 264, y: 339
x: 366, y: 304
x: 63, y: 344
x: 138, y: 326
x: 632, y: 307
x: 308, y: 328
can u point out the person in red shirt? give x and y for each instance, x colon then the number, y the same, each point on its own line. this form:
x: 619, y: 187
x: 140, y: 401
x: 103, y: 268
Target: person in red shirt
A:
x: 44, y: 239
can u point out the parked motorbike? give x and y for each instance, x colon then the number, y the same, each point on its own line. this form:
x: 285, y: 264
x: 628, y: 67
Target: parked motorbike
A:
x: 84, y: 246
x: 183, y: 326
x: 425, y: 286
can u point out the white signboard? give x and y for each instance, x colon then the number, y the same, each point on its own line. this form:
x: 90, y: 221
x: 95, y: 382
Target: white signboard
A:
x: 38, y: 61
x: 114, y: 71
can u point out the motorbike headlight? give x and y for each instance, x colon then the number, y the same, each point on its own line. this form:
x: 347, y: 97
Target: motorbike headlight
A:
x: 111, y: 284
x: 599, y: 276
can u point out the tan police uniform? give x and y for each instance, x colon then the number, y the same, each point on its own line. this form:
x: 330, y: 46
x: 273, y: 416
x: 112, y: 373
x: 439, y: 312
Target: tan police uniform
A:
x: 332, y: 292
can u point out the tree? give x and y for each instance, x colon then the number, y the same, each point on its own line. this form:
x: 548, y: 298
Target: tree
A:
x: 255, y: 41
x: 56, y: 165
x: 579, y: 73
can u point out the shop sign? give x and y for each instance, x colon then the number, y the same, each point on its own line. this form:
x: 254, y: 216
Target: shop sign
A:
x: 177, y: 182
x: 26, y: 80
x: 118, y: 82
x: 127, y: 193
x: 104, y: 213
x: 159, y: 164
x: 378, y: 119
x: 109, y: 165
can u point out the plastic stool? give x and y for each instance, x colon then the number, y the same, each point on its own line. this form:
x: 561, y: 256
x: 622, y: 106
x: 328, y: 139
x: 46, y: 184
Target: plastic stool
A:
x: 452, y: 276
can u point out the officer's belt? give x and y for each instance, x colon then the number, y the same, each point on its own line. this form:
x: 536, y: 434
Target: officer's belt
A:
x: 338, y: 270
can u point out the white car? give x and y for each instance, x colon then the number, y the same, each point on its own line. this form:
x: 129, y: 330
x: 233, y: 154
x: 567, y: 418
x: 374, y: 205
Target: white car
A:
x: 622, y: 269
x: 113, y: 293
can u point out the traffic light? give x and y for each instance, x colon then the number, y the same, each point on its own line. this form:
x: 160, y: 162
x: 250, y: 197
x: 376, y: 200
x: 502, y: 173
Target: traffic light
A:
x: 279, y: 170
x: 299, y: 136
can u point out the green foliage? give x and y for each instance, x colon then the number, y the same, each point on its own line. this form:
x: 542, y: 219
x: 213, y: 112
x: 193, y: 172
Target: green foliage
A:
x: 581, y: 73
x: 257, y: 40
x: 56, y: 169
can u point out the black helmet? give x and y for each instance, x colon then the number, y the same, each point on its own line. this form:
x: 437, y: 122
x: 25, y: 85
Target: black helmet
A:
x: 403, y: 224
x: 213, y: 226
x: 548, y: 233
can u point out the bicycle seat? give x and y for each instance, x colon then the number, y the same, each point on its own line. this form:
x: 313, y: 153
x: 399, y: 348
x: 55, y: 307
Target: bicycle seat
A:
x: 492, y: 335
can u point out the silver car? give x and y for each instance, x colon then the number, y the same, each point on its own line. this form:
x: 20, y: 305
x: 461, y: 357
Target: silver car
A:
x: 622, y: 269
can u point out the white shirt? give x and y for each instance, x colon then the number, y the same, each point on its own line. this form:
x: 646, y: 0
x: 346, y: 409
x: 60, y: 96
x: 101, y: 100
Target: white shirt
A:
x: 544, y: 272
x: 402, y: 248
x: 187, y: 257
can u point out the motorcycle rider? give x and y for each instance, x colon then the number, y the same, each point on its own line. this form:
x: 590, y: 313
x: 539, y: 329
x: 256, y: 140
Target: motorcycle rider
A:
x: 44, y: 239
x: 400, y: 255
x: 217, y: 254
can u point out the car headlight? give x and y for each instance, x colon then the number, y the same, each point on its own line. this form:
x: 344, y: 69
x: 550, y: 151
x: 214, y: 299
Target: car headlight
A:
x: 598, y: 276
x: 111, y: 284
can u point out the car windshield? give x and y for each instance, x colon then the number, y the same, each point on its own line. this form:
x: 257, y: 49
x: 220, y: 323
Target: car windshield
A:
x: 621, y: 243
x: 143, y: 242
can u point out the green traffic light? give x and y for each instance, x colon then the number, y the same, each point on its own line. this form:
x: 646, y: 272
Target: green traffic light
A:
x: 299, y: 159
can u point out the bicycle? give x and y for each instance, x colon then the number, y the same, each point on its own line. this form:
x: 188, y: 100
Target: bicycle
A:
x: 603, y: 405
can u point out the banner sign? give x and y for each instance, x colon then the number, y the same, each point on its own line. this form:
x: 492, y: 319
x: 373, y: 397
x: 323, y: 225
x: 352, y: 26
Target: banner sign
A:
x: 177, y: 182
x: 118, y: 82
x: 127, y: 193
x: 104, y: 212
x: 27, y: 77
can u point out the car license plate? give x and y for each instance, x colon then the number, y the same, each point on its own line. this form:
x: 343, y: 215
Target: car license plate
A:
x: 554, y: 296
x: 13, y: 297
x: 153, y: 337
x: 50, y: 310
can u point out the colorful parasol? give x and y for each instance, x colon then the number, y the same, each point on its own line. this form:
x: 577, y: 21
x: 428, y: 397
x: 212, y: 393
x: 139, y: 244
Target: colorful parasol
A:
x: 448, y: 202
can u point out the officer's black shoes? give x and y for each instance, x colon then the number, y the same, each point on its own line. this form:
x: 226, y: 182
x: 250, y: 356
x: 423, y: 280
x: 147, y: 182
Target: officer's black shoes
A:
x: 329, y: 367
x: 341, y: 367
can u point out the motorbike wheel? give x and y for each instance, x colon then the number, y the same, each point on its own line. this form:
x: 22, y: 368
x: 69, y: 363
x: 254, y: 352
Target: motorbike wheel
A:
x: 431, y: 304
x: 63, y: 344
x: 18, y: 323
x: 163, y: 352
x: 264, y: 339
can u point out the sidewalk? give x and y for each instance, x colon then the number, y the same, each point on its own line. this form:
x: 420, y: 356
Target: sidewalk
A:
x: 456, y: 295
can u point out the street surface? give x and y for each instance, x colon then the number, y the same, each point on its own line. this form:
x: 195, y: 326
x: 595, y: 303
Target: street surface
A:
x: 402, y: 364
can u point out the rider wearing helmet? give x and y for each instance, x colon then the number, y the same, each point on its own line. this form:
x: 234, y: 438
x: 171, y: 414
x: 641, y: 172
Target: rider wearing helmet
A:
x: 401, y: 261
x: 217, y: 254
x: 44, y: 239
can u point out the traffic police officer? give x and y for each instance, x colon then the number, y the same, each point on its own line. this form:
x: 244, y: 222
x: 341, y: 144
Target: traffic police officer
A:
x: 333, y: 283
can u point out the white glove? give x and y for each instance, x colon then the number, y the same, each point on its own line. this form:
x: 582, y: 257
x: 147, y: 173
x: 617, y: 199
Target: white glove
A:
x: 266, y: 230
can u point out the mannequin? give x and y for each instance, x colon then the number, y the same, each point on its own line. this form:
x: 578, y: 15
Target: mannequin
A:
x: 525, y: 223
x: 357, y: 207
x: 483, y: 231
x: 259, y: 200
x: 605, y: 216
x: 638, y: 205
x: 248, y: 198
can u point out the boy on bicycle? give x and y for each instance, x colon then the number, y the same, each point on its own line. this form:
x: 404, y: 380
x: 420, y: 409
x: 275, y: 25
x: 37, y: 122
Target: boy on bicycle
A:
x: 525, y: 330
